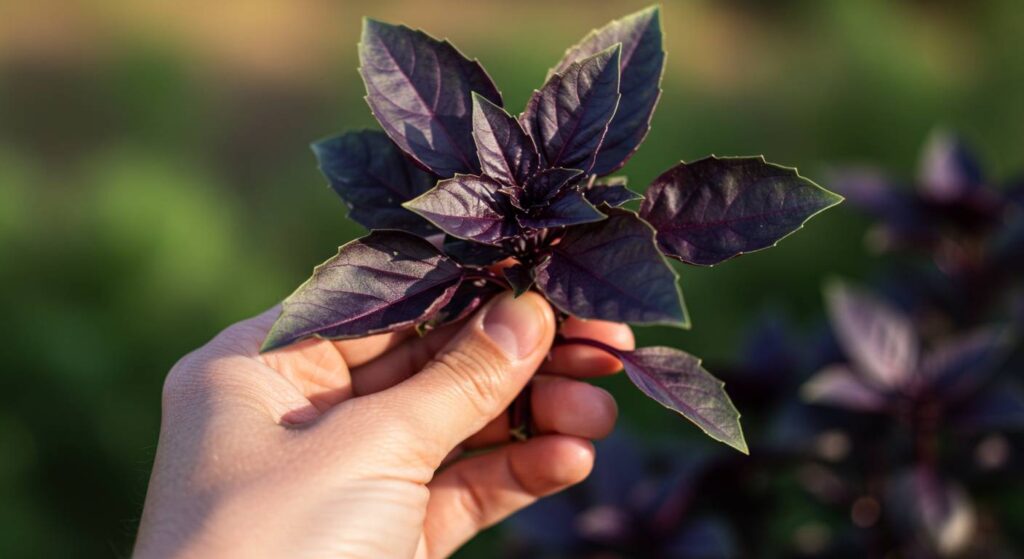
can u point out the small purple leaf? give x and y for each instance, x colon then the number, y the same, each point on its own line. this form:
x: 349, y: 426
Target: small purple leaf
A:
x: 507, y: 154
x: 419, y: 89
x: 642, y: 64
x: 470, y: 295
x: 373, y: 177
x: 838, y: 385
x: 468, y: 207
x: 379, y: 283
x: 611, y: 191
x: 714, y: 209
x: 949, y: 171
x: 569, y: 116
x: 612, y: 270
x: 676, y: 380
x: 876, y: 337
x: 519, y: 277
x: 546, y: 185
x: 473, y: 254
x: 569, y: 208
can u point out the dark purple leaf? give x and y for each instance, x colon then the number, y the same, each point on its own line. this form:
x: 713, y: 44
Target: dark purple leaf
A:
x: 642, y: 63
x: 569, y: 116
x: 676, y: 380
x: 546, y: 185
x: 611, y: 191
x: 949, y: 171
x: 468, y: 207
x: 877, y: 338
x: 612, y: 270
x: 569, y: 208
x: 470, y: 295
x: 469, y: 253
x: 507, y: 154
x: 374, y: 178
x: 956, y: 367
x: 519, y: 277
x: 381, y: 282
x: 838, y: 385
x: 713, y: 209
x: 419, y: 89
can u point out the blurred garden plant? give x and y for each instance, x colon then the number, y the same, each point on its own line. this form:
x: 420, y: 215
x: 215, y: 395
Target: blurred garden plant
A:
x: 464, y: 200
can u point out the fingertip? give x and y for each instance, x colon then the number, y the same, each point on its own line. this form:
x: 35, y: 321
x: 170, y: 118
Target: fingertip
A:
x: 573, y: 407
x: 573, y: 460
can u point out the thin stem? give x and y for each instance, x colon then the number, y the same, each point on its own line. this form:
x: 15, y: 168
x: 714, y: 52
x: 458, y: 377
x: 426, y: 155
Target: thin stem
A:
x: 562, y: 340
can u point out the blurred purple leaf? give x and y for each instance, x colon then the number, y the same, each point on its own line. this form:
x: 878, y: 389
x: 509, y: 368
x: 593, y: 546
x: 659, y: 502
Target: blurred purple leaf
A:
x: 1000, y: 408
x: 877, y: 338
x: 714, y: 209
x: 569, y: 116
x: 931, y: 509
x: 612, y: 270
x: 419, y: 89
x: 838, y: 385
x: 507, y: 154
x: 468, y: 207
x: 958, y: 366
x: 642, y: 63
x: 381, y: 282
x: 374, y: 178
x: 949, y: 171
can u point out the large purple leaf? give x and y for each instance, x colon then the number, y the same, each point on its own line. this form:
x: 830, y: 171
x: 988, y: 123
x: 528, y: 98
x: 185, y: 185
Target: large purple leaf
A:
x: 879, y: 339
x: 838, y: 385
x: 569, y: 116
x: 569, y: 208
x: 381, y: 282
x: 611, y: 191
x: 612, y: 270
x: 713, y: 209
x: 642, y: 64
x: 468, y: 207
x: 949, y: 171
x: 374, y: 177
x: 507, y: 153
x: 419, y: 88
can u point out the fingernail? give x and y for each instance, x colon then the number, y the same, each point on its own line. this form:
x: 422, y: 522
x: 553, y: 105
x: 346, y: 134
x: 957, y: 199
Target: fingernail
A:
x: 514, y: 324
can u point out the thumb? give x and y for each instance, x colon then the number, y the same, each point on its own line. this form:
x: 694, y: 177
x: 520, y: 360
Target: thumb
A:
x: 474, y: 378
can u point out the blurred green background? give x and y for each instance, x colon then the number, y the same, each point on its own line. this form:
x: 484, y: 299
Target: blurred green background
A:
x: 156, y: 184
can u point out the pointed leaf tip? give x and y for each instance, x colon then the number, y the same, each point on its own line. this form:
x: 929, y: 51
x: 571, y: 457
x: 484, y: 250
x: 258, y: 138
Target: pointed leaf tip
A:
x: 715, y: 208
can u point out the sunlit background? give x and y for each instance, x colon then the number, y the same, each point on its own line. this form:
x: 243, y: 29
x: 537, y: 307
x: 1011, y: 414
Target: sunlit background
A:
x: 156, y: 185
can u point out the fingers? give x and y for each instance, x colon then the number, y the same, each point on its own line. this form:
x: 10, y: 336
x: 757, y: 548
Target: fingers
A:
x: 559, y: 406
x: 478, y: 492
x: 470, y: 381
x: 583, y: 361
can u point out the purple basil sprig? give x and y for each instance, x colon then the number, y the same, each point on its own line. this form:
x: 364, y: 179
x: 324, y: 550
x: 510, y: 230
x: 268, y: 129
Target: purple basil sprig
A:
x: 456, y: 184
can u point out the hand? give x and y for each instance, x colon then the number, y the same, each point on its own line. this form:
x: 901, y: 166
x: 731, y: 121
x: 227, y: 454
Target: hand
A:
x: 355, y: 448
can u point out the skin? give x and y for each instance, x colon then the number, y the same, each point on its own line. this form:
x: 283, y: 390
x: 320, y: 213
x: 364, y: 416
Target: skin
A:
x: 387, y: 446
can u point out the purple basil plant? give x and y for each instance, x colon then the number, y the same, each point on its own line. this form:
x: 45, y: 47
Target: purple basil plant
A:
x: 464, y: 200
x: 942, y: 396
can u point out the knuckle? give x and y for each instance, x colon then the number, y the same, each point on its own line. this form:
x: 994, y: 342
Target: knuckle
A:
x: 476, y: 374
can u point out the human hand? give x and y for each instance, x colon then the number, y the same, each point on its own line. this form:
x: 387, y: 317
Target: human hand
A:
x: 387, y: 446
